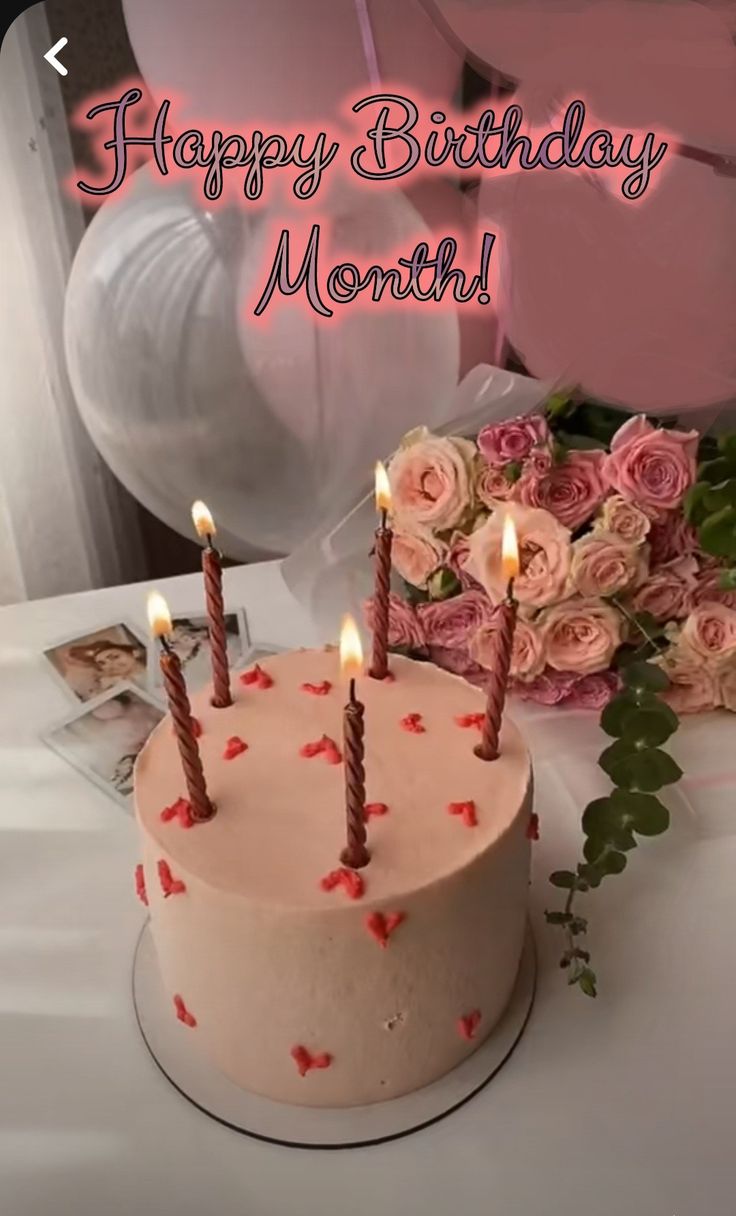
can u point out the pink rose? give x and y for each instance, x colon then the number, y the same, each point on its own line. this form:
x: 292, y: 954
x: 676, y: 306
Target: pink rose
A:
x: 527, y: 655
x: 727, y: 687
x: 549, y: 688
x: 671, y: 536
x: 581, y: 635
x: 693, y: 686
x: 492, y: 486
x: 649, y: 466
x: 603, y: 564
x: 709, y: 634
x: 624, y: 519
x: 459, y: 663
x: 594, y: 691
x: 667, y: 593
x: 431, y: 482
x: 708, y: 588
x: 452, y: 623
x: 404, y: 626
x: 571, y: 491
x: 456, y: 560
x: 544, y: 553
x: 415, y: 555
x: 512, y: 441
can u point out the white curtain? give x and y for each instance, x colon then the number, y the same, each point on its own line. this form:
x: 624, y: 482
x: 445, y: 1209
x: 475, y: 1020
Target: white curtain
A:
x: 65, y: 523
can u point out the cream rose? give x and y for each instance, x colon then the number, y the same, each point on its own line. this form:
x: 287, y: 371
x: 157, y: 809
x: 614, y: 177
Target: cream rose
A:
x: 603, y: 564
x: 431, y: 482
x: 492, y: 486
x: 709, y: 634
x: 416, y: 555
x: 693, y: 685
x: 624, y: 519
x: 527, y: 655
x: 727, y: 687
x: 544, y: 552
x: 581, y: 635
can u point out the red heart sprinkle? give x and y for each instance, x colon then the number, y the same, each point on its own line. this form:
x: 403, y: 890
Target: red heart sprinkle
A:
x: 413, y: 724
x: 317, y: 690
x: 181, y: 810
x: 169, y: 884
x: 469, y: 720
x: 351, y: 882
x: 140, y: 885
x: 467, y: 812
x: 468, y: 1024
x: 308, y: 750
x: 381, y: 927
x: 234, y: 747
x: 257, y: 676
x: 183, y: 1013
x: 532, y: 829
x: 374, y: 808
x: 305, y: 1061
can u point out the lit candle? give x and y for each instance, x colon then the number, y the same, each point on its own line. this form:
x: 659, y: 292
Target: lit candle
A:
x: 382, y: 584
x: 159, y: 618
x: 212, y: 570
x: 351, y: 662
x: 503, y: 646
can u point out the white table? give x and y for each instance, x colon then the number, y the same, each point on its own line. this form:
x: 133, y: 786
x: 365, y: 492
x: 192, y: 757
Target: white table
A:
x: 622, y: 1106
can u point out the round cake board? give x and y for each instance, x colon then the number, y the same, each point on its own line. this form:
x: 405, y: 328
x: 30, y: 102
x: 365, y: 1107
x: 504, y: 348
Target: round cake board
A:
x: 307, y: 1126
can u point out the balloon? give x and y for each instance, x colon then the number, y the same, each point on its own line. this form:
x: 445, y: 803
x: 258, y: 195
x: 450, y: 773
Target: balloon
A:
x: 155, y: 363
x: 349, y: 387
x: 633, y: 303
x: 284, y: 61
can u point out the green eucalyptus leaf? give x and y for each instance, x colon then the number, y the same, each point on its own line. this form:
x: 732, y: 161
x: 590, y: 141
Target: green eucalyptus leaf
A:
x: 645, y: 677
x: 443, y: 584
x: 578, y: 925
x: 590, y: 874
x: 512, y: 471
x: 727, y: 580
x: 721, y: 495
x: 563, y: 878
x: 694, y: 507
x: 587, y: 982
x: 621, y: 750
x: 645, y: 771
x: 645, y: 814
x: 611, y: 863
x: 716, y: 470
x: 558, y: 918
x: 718, y: 533
x: 559, y: 405
x: 615, y: 713
x: 727, y: 448
x: 649, y: 726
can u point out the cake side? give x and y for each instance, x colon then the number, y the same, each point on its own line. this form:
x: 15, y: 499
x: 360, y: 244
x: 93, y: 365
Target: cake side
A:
x: 331, y: 996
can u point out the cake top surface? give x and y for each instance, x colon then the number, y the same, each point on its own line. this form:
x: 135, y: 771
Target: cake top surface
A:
x: 280, y: 822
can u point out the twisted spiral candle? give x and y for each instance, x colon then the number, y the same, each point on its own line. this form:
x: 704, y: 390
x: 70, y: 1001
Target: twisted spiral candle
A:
x: 212, y: 570
x: 181, y: 712
x: 356, y: 854
x: 382, y: 590
x: 498, y: 680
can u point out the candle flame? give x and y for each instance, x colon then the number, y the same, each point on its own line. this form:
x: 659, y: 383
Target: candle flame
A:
x: 509, y: 549
x: 159, y: 617
x: 203, y: 521
x: 383, y: 488
x: 351, y: 651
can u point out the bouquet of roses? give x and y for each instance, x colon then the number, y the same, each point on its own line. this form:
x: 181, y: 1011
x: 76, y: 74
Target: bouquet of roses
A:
x: 627, y: 532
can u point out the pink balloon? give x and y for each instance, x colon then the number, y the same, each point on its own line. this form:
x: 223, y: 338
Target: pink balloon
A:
x: 634, y: 303
x: 284, y: 61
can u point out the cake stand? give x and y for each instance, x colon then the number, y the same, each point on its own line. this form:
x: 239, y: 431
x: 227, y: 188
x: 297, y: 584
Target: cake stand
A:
x: 308, y: 1126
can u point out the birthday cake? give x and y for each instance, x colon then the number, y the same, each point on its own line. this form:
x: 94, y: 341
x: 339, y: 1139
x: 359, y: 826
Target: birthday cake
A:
x: 303, y: 979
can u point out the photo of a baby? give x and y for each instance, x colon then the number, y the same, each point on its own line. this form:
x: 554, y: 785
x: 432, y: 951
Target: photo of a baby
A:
x: 96, y: 662
x: 104, y: 740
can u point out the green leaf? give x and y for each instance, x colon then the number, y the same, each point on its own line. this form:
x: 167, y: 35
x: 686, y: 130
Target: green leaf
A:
x: 595, y: 847
x: 718, y: 533
x: 645, y: 771
x: 694, y: 505
x: 558, y: 918
x: 650, y: 726
x: 578, y: 925
x: 721, y: 495
x: 590, y: 874
x: 645, y: 677
x: 616, y: 712
x: 612, y: 863
x: 727, y: 448
x: 443, y: 584
x: 716, y: 470
x: 621, y: 750
x: 559, y: 405
x: 512, y: 471
x: 727, y: 580
x: 587, y: 982
x: 563, y: 878
x: 646, y: 815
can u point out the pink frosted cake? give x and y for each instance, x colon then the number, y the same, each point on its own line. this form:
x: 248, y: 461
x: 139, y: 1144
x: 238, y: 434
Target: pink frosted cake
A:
x: 302, y: 980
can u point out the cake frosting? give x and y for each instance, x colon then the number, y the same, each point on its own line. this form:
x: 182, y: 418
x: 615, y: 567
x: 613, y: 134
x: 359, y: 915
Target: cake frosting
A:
x: 303, y: 980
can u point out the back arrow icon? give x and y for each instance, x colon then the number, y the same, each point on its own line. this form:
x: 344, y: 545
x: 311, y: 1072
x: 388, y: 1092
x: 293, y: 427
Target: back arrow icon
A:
x: 50, y: 56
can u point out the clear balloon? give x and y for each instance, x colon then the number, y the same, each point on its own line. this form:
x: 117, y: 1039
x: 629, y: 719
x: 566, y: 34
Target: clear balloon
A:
x: 285, y: 61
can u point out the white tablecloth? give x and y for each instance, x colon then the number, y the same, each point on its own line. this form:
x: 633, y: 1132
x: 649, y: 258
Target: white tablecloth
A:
x: 623, y: 1106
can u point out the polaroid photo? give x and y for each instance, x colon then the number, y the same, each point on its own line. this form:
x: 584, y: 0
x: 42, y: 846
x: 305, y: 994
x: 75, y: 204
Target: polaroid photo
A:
x: 103, y: 740
x: 190, y: 640
x: 95, y: 661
